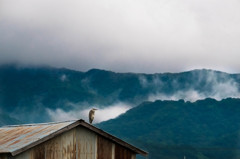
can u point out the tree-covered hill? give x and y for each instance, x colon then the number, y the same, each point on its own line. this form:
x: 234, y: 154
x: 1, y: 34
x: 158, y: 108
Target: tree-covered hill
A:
x: 33, y: 89
x: 205, y: 129
x: 7, y: 120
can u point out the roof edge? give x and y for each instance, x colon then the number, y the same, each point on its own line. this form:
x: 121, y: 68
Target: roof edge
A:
x: 34, y: 124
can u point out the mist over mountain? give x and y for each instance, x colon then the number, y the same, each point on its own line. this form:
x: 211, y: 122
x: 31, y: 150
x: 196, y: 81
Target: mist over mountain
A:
x: 7, y: 120
x: 170, y: 114
x: 205, y: 129
x: 46, y: 93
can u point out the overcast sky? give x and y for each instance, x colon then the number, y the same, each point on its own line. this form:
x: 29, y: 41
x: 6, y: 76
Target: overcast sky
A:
x: 122, y: 35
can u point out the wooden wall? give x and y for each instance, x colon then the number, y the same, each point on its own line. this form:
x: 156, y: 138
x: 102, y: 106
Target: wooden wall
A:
x: 3, y: 156
x: 123, y: 153
x: 104, y: 148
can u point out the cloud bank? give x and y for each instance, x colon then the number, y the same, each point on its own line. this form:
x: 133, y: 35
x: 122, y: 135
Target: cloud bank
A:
x: 208, y: 84
x: 122, y: 35
x: 102, y: 114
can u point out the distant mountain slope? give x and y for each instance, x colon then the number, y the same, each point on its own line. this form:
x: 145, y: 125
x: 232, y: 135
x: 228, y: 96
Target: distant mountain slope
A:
x: 7, y: 120
x: 33, y: 89
x: 171, y: 129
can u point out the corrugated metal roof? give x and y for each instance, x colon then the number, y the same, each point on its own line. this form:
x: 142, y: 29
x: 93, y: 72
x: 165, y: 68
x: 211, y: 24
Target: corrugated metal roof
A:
x: 13, y: 138
x: 19, y: 138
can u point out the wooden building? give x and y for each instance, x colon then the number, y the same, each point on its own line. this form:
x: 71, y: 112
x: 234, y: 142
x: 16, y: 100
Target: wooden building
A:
x: 63, y: 140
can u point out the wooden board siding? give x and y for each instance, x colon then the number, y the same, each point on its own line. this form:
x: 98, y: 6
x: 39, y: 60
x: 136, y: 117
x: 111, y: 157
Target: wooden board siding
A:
x: 123, y: 153
x: 86, y: 143
x: 3, y: 156
x: 53, y: 148
x: 60, y: 147
x: 104, y: 148
x: 24, y: 155
x: 78, y: 143
x: 68, y: 145
x: 38, y: 152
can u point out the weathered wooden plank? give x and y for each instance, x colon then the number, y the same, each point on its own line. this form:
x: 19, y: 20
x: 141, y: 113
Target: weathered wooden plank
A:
x: 104, y: 148
x: 133, y: 156
x: 68, y: 145
x: 113, y: 151
x: 122, y: 153
x: 85, y: 143
x: 24, y: 155
x: 53, y: 148
x: 4, y: 156
x: 38, y: 152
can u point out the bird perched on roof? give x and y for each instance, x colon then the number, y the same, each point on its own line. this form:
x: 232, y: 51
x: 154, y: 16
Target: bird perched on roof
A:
x: 91, y: 115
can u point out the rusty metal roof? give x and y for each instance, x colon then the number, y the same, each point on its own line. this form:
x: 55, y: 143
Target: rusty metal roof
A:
x: 19, y: 138
x: 13, y: 138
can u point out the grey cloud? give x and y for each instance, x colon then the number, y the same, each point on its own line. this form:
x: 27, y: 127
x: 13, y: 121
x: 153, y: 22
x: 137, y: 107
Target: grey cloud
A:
x: 217, y: 86
x: 127, y: 35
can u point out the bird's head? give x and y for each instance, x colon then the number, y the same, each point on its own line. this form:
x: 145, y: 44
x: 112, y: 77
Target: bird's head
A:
x: 94, y: 109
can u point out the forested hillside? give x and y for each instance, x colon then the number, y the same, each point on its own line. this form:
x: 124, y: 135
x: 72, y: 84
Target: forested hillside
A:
x: 32, y: 90
x: 7, y: 120
x: 205, y: 129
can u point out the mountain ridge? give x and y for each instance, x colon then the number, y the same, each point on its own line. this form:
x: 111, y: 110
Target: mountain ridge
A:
x: 35, y: 89
x: 172, y: 129
x: 7, y: 120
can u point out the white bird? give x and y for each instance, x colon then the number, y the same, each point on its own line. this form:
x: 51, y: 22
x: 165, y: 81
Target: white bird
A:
x: 91, y: 115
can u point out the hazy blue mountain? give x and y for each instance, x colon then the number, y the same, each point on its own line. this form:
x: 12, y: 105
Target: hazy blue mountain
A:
x: 171, y: 129
x: 33, y: 89
x: 7, y: 120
